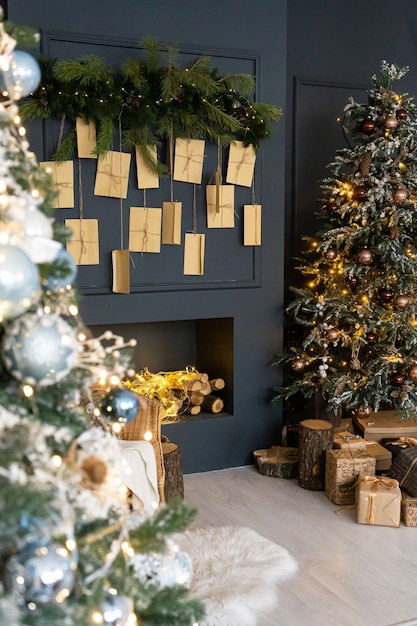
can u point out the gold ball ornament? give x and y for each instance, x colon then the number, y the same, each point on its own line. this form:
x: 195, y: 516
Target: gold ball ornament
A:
x: 298, y: 364
x: 401, y: 301
x: 365, y: 256
x: 363, y: 411
x: 400, y: 195
x: 412, y: 371
x: 332, y: 334
x: 390, y: 122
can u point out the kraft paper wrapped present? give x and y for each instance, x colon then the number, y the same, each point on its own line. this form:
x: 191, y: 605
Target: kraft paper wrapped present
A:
x: 145, y: 229
x: 188, y: 160
x: 171, y: 223
x: 252, y: 224
x: 344, y: 439
x: 112, y: 175
x: 194, y: 248
x: 62, y: 173
x: 343, y: 470
x: 241, y: 164
x: 84, y: 247
x: 378, y: 501
x: 223, y: 215
x: 147, y: 179
x: 409, y: 509
x: 404, y: 469
x: 121, y: 271
x: 385, y: 424
x: 86, y: 138
x: 383, y: 457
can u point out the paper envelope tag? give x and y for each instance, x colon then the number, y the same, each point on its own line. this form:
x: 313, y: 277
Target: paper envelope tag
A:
x: 145, y: 229
x: 188, y: 161
x: 194, y: 254
x: 112, y: 175
x: 241, y: 164
x: 171, y: 223
x: 62, y: 173
x: 121, y: 271
x: 146, y: 178
x: 84, y: 246
x: 252, y: 222
x: 86, y: 138
x: 224, y: 217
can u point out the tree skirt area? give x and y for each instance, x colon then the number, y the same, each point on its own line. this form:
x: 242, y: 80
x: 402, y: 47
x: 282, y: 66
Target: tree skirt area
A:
x: 235, y: 573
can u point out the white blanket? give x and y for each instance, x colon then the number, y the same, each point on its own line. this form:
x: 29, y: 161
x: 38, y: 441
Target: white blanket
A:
x: 140, y: 475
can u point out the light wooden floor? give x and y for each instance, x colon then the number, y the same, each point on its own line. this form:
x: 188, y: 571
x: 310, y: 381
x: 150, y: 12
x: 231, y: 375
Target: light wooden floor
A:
x: 349, y: 574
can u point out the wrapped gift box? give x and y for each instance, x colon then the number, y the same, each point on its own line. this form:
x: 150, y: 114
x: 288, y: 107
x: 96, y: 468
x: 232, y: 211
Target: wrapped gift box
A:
x: 252, y: 224
x: 383, y: 457
x: 343, y: 469
x: 347, y: 440
x: 409, y: 509
x: 404, y: 469
x: 396, y: 445
x: 62, y: 173
x: 378, y: 501
x: 385, y: 424
x: 241, y: 164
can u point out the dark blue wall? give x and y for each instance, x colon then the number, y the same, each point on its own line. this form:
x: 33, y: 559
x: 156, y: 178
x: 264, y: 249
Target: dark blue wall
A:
x: 243, y: 288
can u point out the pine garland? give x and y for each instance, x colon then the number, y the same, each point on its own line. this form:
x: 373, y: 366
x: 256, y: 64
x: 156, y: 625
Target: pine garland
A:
x: 151, y: 102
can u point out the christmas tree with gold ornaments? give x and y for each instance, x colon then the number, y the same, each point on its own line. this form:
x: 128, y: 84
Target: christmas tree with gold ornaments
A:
x: 74, y: 550
x: 351, y: 328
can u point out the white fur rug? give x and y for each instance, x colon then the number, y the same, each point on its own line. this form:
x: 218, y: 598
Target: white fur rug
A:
x: 236, y: 572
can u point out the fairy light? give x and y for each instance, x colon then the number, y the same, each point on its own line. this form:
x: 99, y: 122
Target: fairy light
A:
x: 73, y: 310
x: 56, y: 460
x: 147, y: 435
x: 28, y: 391
x: 97, y: 618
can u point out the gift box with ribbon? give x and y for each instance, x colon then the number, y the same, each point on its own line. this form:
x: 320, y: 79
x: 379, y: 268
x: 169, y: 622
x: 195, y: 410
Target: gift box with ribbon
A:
x: 395, y: 446
x: 378, y: 501
x: 409, y: 509
x: 404, y: 469
x: 343, y: 470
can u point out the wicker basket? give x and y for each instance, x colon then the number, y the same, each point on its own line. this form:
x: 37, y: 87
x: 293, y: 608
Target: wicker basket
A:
x: 148, y: 419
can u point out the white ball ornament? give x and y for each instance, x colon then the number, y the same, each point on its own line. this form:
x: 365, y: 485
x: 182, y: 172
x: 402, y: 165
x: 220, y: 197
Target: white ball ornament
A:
x: 22, y: 76
x: 19, y: 282
x: 38, y: 237
x: 40, y: 349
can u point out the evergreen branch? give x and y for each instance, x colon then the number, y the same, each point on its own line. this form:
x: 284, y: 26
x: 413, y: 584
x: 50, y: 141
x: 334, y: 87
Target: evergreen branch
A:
x: 66, y: 149
x: 151, y: 46
x: 105, y: 136
x: 87, y: 70
x: 132, y: 70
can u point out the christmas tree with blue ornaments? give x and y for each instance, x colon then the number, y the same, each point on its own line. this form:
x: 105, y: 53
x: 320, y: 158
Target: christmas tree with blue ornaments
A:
x: 73, y: 550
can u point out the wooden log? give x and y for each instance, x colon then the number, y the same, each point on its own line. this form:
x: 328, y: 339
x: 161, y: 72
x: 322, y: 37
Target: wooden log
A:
x: 277, y: 461
x: 212, y: 404
x: 174, y: 479
x: 205, y: 387
x: 196, y: 398
x: 191, y: 409
x: 217, y: 383
x: 315, y: 437
x: 193, y: 385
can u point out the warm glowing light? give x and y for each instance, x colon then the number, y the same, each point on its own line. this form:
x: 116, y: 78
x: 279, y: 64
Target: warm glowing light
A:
x: 97, y: 618
x: 46, y: 309
x: 28, y: 391
x: 73, y: 309
x: 364, y: 298
x: 344, y: 292
x: 116, y: 428
x: 56, y: 460
x: 35, y: 193
x: 70, y: 543
x: 114, y: 380
x: 22, y: 131
x: 147, y: 435
x: 17, y: 119
x: 312, y: 284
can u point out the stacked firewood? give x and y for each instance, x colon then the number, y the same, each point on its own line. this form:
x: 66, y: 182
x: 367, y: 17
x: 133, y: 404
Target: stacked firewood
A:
x: 200, y: 395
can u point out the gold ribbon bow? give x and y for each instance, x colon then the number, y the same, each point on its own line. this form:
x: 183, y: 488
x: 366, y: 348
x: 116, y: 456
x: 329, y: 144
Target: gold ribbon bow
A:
x: 375, y: 482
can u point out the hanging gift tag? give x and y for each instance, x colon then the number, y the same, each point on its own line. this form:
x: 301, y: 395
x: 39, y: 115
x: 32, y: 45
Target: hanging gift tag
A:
x: 145, y: 229
x: 62, y: 174
x: 147, y: 179
x: 194, y: 248
x: 121, y: 271
x: 86, y: 138
x: 224, y: 217
x: 241, y: 164
x: 84, y: 247
x: 188, y: 161
x: 252, y: 221
x: 171, y: 223
x: 112, y: 175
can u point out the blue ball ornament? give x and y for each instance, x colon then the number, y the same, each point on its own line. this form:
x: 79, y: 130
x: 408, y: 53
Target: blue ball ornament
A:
x: 120, y: 406
x: 63, y: 272
x: 116, y: 610
x: 19, y: 282
x: 40, y: 349
x: 23, y: 75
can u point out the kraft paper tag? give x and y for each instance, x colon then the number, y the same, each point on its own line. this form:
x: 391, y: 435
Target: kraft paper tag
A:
x: 224, y: 215
x: 194, y: 254
x: 84, y: 246
x: 252, y: 221
x: 188, y: 161
x: 145, y: 229
x: 121, y: 271
x: 86, y: 138
x: 62, y: 174
x: 112, y: 175
x: 241, y: 164
x: 146, y: 178
x: 171, y: 223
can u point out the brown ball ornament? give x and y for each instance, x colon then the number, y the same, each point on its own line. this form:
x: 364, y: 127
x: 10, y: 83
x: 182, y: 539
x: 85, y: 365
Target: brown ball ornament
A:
x: 332, y: 334
x: 412, y: 371
x: 401, y: 302
x: 365, y: 256
x: 368, y: 126
x: 332, y: 207
x: 331, y: 254
x: 352, y: 281
x: 385, y: 295
x: 390, y: 122
x: 363, y: 411
x: 400, y: 195
x: 371, y: 338
x: 401, y: 114
x: 397, y: 379
x: 298, y: 364
x: 359, y: 193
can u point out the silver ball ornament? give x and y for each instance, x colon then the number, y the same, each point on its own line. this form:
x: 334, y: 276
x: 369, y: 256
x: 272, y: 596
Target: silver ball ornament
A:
x: 23, y: 75
x: 120, y: 405
x: 19, y: 282
x: 116, y: 610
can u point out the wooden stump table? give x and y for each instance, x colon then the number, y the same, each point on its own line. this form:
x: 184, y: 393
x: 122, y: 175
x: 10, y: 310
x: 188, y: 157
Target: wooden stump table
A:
x: 315, y: 437
x: 174, y: 479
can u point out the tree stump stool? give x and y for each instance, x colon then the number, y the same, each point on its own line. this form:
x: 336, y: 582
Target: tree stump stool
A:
x: 315, y: 437
x: 174, y: 479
